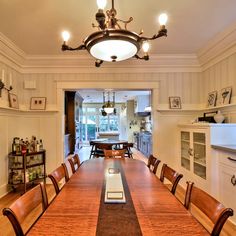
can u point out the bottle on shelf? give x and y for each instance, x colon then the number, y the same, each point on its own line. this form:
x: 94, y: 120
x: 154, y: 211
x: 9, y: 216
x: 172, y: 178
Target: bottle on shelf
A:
x: 37, y: 146
x: 40, y: 144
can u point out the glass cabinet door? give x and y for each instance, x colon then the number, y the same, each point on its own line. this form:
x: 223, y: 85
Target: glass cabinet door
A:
x: 199, y: 158
x: 185, y: 147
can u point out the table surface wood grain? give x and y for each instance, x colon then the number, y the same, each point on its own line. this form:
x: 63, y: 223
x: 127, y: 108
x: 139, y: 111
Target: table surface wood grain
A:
x: 75, y: 210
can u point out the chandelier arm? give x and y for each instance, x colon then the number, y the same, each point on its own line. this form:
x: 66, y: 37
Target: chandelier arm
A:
x: 161, y: 33
x: 145, y: 57
x: 126, y: 22
x: 65, y: 47
x: 98, y: 63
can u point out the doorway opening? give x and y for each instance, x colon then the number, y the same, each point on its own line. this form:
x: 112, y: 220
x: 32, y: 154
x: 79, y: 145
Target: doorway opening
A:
x: 85, y: 120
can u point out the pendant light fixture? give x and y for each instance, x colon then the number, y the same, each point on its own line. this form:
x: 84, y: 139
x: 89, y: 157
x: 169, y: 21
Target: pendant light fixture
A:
x: 108, y: 106
x: 112, y: 42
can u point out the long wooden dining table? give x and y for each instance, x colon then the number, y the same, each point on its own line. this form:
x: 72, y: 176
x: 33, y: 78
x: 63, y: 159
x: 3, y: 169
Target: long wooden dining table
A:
x: 79, y: 208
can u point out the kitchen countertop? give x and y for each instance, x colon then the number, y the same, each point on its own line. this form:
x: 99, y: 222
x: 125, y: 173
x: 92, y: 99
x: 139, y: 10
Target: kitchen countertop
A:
x: 229, y: 148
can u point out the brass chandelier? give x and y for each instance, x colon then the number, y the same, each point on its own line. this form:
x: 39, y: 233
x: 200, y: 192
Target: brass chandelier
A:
x: 111, y: 42
x: 108, y: 106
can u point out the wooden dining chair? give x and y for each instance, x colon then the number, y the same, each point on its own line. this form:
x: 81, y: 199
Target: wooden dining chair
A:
x: 99, y: 149
x: 213, y: 209
x: 114, y: 153
x: 67, y: 168
x: 58, y: 176
x: 127, y: 147
x: 74, y: 162
x: 153, y: 163
x: 172, y: 175
x: 30, y: 206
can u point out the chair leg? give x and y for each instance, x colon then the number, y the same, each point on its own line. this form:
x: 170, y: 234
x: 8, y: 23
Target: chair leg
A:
x: 91, y: 152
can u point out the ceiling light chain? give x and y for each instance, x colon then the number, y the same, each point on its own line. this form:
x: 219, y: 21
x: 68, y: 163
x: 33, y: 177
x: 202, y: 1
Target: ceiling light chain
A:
x: 112, y: 42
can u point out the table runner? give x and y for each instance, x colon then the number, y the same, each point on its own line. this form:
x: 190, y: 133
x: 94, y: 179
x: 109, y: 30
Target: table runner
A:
x: 118, y: 219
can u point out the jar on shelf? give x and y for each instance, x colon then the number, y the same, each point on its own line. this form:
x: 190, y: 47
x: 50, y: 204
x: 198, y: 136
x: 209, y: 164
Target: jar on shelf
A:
x: 219, y: 118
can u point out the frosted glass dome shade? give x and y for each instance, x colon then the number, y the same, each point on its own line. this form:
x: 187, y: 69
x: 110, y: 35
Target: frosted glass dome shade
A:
x: 117, y: 50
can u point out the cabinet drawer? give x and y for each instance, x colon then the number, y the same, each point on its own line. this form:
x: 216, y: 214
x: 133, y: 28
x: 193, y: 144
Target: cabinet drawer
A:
x: 227, y: 189
x: 227, y: 158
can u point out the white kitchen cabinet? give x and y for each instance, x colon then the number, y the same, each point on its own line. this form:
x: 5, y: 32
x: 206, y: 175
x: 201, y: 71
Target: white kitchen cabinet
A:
x: 140, y: 103
x: 194, y: 155
x: 197, y: 159
x: 227, y: 180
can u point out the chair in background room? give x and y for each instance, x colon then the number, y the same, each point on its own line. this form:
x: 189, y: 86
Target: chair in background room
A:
x: 58, y: 178
x: 213, y: 209
x: 99, y: 149
x: 114, y: 153
x: 153, y: 163
x: 127, y: 147
x: 74, y: 162
x: 172, y: 175
x: 31, y: 206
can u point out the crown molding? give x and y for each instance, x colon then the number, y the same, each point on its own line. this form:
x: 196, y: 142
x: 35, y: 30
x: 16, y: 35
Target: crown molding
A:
x: 83, y: 63
x: 14, y: 57
x: 219, y: 48
x: 10, y: 54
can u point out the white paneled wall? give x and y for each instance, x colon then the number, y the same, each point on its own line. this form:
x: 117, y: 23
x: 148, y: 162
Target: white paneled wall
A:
x: 185, y: 85
x: 221, y: 75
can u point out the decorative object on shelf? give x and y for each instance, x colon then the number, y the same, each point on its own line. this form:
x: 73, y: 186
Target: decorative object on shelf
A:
x: 218, y: 117
x: 225, y: 95
x: 108, y: 106
x: 13, y: 101
x: 175, y: 102
x: 113, y: 43
x: 38, y: 103
x: 2, y: 83
x: 211, y: 100
x: 208, y: 117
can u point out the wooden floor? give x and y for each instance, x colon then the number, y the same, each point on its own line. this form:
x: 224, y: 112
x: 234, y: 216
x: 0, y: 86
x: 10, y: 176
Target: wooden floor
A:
x: 6, y: 228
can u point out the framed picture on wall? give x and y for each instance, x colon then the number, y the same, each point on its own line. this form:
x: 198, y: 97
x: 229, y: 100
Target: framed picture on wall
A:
x: 175, y: 102
x: 13, y: 101
x: 211, y: 100
x: 225, y: 95
x: 38, y: 103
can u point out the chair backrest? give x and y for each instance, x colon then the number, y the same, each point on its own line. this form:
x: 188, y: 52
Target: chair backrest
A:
x: 153, y: 163
x: 57, y: 176
x: 26, y: 204
x: 213, y: 209
x: 68, y: 168
x: 74, y: 162
x: 99, y: 147
x: 114, y: 153
x: 172, y: 175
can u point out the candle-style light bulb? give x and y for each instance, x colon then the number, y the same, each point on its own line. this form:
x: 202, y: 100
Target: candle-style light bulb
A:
x: 163, y: 19
x: 65, y: 36
x: 101, y: 4
x: 145, y: 46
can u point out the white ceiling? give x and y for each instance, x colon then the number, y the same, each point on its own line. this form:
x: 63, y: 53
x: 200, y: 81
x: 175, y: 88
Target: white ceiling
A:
x: 35, y: 25
x: 96, y: 96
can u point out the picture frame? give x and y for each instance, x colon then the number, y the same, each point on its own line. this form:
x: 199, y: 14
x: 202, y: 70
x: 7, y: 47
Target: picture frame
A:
x: 175, y: 102
x: 13, y: 101
x: 38, y: 103
x: 225, y: 95
x: 211, y: 99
